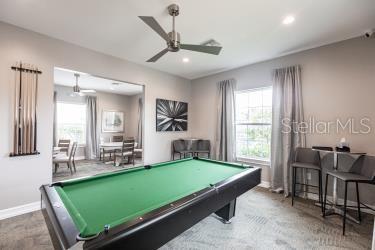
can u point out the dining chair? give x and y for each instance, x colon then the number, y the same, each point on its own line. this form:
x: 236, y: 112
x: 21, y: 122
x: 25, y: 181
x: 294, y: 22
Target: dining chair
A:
x: 117, y: 138
x: 138, y: 151
x: 105, y: 151
x: 127, y: 152
x: 362, y: 171
x: 308, y: 159
x: 64, y: 145
x: 68, y: 160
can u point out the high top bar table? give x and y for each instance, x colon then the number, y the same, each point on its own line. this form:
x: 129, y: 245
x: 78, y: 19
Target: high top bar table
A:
x: 334, y: 208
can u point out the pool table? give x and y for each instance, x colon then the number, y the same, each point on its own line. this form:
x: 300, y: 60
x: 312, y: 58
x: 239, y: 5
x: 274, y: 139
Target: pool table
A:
x: 143, y: 207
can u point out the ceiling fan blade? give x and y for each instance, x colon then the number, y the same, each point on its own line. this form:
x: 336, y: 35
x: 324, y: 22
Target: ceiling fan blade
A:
x: 88, y: 91
x: 158, y: 55
x: 215, y: 50
x: 150, y: 21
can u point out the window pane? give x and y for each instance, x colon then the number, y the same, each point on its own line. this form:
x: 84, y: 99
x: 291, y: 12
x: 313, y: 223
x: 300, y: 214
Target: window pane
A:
x: 242, y: 114
x: 253, y: 119
x: 71, y: 122
x: 255, y: 99
x: 267, y: 97
x: 242, y: 100
x: 253, y: 141
x: 256, y: 115
x: 267, y: 115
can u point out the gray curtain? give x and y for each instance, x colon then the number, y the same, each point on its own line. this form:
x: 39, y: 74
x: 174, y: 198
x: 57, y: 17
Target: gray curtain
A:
x: 91, y: 122
x: 287, y: 113
x: 225, y: 129
x: 140, y: 123
x: 55, y: 118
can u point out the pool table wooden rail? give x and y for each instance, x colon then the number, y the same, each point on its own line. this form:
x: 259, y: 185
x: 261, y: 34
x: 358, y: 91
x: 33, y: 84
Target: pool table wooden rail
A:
x: 155, y: 228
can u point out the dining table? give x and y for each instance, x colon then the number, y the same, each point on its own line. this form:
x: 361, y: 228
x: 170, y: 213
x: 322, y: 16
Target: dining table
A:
x: 57, y: 149
x: 57, y: 152
x: 110, y: 145
x: 117, y: 146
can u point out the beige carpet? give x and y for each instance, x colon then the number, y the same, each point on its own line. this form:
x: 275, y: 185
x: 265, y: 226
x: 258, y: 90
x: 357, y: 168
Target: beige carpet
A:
x: 263, y: 220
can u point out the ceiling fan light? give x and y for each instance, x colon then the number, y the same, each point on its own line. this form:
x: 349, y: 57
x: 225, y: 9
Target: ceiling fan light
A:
x: 288, y: 20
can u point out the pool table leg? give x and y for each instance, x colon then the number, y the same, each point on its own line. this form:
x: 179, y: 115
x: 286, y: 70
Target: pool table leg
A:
x: 227, y: 212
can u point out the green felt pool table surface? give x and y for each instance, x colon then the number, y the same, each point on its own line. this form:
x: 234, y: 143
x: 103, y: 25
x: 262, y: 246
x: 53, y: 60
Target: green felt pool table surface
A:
x: 115, y: 198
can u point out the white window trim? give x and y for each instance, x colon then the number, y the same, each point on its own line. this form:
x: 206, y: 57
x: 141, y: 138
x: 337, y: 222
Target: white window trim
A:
x: 253, y: 161
x: 253, y: 89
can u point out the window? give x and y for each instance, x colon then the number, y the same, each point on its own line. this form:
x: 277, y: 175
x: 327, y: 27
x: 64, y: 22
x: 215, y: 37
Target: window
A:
x: 71, y: 122
x: 253, y: 124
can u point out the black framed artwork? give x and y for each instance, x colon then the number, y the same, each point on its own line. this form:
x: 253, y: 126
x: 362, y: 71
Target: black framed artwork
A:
x: 171, y: 115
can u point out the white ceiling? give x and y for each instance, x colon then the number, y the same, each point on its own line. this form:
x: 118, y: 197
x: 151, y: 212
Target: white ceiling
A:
x: 249, y: 31
x: 85, y: 81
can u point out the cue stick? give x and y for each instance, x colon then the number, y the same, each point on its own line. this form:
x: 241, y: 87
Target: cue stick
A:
x: 36, y: 106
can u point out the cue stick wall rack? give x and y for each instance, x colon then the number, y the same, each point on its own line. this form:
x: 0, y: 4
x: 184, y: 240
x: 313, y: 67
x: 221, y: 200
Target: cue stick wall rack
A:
x: 24, y: 110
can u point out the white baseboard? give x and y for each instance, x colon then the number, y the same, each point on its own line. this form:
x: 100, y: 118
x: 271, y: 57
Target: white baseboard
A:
x: 24, y: 209
x: 265, y: 184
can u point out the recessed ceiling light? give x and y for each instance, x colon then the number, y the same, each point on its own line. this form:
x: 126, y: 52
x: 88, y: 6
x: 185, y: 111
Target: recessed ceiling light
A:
x: 288, y: 20
x: 185, y: 60
x: 112, y: 88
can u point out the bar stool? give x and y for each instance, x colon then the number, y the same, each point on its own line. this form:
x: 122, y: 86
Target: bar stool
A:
x: 362, y: 171
x: 306, y: 158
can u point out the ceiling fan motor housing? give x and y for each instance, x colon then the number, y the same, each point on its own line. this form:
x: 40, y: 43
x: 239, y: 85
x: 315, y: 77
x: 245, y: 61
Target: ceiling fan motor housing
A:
x: 174, y: 43
x: 76, y: 89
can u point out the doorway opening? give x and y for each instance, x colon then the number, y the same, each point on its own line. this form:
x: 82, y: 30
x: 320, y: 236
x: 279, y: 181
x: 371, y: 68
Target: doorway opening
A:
x: 98, y: 125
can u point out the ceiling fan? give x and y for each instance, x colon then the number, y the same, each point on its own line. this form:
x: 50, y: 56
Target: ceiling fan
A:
x: 78, y: 91
x: 173, y: 37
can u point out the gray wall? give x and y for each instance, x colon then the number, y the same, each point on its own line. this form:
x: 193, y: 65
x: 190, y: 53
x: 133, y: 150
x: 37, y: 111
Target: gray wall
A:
x: 133, y: 113
x: 21, y: 177
x: 338, y: 81
x: 108, y: 101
